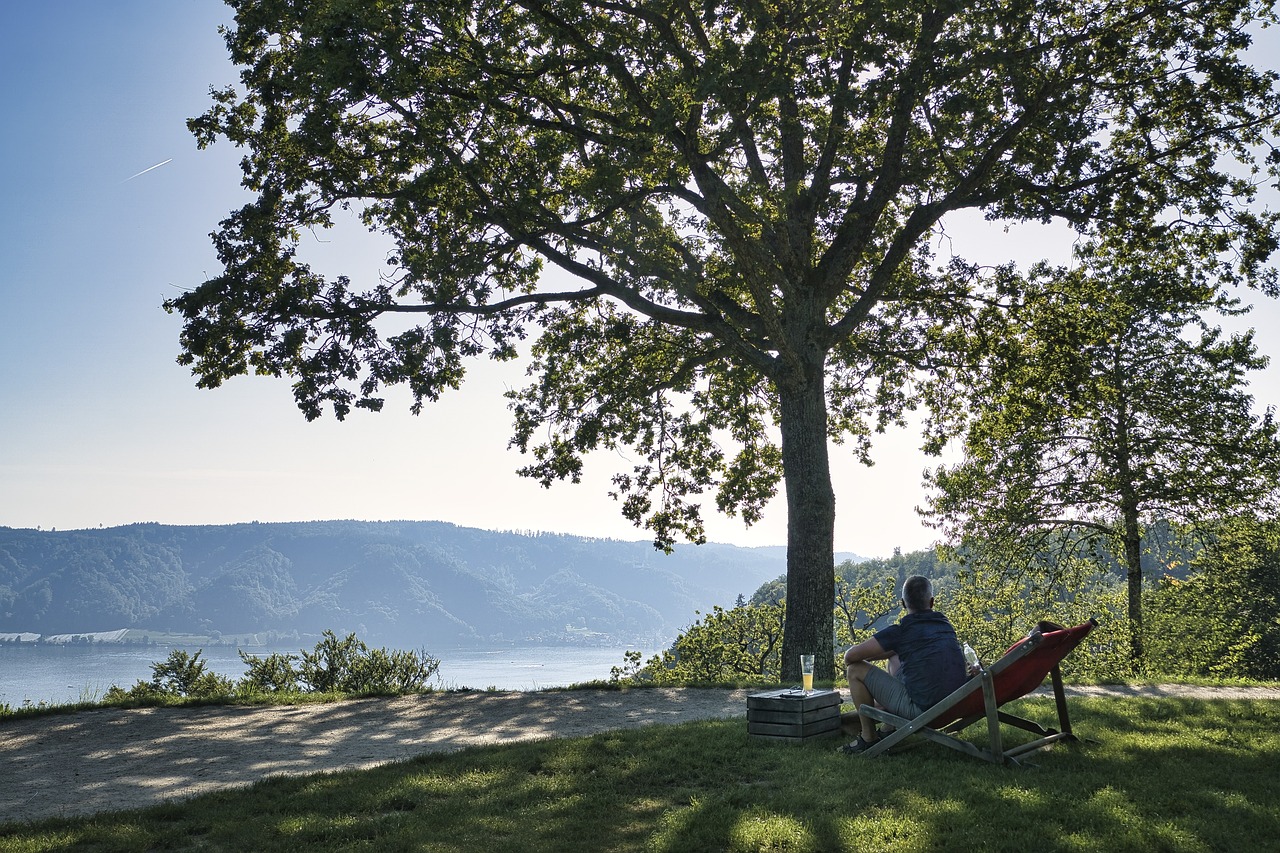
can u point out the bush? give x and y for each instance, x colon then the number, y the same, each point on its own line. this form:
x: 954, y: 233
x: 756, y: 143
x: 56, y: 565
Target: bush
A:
x: 335, y: 666
x: 273, y: 674
x: 1223, y: 620
x: 861, y: 601
x: 181, y: 675
x: 744, y: 643
x: 992, y: 609
x: 332, y: 665
x: 345, y: 665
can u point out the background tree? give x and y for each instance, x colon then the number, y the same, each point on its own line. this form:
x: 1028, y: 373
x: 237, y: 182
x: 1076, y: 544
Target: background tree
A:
x: 992, y: 604
x: 861, y: 603
x: 723, y: 646
x: 1223, y: 619
x: 739, y: 196
x: 1109, y: 404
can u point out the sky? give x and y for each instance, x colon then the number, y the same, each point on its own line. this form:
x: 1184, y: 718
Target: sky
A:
x: 106, y: 211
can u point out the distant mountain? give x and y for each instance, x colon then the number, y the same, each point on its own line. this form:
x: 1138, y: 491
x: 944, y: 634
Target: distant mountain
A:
x: 403, y: 584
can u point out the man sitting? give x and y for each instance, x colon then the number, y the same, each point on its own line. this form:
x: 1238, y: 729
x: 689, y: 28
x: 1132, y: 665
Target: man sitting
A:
x: 924, y: 659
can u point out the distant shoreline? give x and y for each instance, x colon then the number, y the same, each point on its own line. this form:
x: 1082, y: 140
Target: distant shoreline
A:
x: 126, y: 637
x: 272, y: 640
x: 70, y: 674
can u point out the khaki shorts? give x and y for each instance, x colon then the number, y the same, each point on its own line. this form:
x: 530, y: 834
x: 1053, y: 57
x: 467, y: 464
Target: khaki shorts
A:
x: 890, y: 693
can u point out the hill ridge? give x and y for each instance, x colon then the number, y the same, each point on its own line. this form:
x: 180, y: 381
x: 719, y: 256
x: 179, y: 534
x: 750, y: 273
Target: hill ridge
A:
x: 401, y: 583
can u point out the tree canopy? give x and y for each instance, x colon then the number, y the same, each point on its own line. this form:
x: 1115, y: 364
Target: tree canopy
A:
x: 740, y: 193
x: 1108, y: 403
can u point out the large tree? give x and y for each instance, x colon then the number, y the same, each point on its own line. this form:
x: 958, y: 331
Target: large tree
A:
x: 740, y: 195
x: 1107, y: 403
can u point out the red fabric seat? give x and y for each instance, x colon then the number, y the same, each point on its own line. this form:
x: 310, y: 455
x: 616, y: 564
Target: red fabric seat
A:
x: 1025, y: 672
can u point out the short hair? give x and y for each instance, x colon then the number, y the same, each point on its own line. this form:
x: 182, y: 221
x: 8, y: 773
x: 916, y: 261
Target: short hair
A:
x: 917, y: 590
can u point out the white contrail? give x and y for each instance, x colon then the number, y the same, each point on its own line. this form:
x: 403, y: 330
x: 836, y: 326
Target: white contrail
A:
x: 148, y: 169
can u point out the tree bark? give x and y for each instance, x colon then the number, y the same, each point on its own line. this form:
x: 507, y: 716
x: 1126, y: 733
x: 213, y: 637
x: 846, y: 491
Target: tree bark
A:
x: 1131, y: 531
x: 811, y: 519
x: 1132, y: 537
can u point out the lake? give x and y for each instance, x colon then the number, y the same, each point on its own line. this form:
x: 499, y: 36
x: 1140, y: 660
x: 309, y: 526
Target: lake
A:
x: 60, y: 674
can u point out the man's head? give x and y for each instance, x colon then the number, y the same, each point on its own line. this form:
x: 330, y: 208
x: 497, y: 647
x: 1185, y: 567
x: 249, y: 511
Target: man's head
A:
x: 917, y: 594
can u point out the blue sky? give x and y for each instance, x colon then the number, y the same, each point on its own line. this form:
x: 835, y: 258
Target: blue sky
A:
x: 100, y: 426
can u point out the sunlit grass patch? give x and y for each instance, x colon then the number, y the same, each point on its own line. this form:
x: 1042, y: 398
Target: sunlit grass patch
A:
x: 758, y: 829
x: 1163, y: 775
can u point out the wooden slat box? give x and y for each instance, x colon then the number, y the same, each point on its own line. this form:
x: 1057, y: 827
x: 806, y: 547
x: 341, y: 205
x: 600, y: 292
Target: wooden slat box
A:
x: 793, y: 715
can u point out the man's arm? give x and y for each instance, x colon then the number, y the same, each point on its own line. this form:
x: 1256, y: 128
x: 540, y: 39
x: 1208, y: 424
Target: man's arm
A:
x: 866, y: 650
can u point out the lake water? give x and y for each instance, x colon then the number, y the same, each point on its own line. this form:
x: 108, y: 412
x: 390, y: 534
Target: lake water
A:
x: 63, y: 674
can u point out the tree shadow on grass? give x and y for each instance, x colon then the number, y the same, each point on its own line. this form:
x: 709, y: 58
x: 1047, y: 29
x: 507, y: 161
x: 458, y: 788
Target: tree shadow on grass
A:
x: 1165, y: 775
x: 96, y: 761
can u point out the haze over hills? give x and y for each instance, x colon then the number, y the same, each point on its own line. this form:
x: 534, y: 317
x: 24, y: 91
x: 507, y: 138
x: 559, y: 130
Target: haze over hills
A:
x: 402, y: 584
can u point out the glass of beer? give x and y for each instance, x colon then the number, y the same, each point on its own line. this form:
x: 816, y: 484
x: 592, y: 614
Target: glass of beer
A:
x: 806, y: 671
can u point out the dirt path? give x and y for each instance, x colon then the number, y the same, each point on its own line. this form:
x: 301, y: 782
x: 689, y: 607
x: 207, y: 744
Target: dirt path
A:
x: 104, y: 760
x: 101, y: 760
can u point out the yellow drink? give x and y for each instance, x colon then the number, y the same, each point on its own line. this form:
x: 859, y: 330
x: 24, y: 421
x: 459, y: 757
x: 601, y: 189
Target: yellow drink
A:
x: 806, y: 671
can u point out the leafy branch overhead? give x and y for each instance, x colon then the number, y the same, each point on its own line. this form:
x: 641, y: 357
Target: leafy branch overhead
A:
x: 712, y: 220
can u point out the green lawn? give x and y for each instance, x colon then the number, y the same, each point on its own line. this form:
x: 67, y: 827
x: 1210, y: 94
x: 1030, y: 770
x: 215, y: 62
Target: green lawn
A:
x: 1165, y: 775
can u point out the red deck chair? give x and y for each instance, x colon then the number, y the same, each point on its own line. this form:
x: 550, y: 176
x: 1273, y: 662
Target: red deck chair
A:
x: 1021, y: 670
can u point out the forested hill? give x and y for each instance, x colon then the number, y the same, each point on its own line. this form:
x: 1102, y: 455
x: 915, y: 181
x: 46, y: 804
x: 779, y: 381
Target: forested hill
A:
x: 405, y: 584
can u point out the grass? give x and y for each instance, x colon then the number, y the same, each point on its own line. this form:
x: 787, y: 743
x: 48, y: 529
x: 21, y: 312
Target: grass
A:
x: 1175, y: 775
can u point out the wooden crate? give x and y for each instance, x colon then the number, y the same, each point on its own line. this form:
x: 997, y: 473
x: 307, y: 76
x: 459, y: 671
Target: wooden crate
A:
x: 793, y: 716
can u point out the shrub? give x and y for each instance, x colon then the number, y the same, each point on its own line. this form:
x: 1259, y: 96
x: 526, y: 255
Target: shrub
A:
x: 331, y: 666
x: 992, y: 608
x: 181, y: 675
x: 744, y: 642
x: 348, y: 665
x: 1223, y: 620
x: 334, y: 666
x: 273, y: 674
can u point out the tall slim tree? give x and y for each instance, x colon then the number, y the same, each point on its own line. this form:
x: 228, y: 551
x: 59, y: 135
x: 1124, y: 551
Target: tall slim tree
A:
x: 740, y: 193
x: 1109, y: 404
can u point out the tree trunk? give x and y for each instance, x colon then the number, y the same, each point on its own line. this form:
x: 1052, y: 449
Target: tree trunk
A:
x: 1132, y: 538
x: 1131, y: 533
x: 811, y: 520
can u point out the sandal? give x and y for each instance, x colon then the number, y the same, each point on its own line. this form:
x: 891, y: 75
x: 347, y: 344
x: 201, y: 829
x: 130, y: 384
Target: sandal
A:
x: 858, y: 746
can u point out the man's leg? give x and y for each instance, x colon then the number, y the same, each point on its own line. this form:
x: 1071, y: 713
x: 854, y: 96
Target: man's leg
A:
x: 860, y: 695
x: 869, y: 683
x: 893, y: 666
